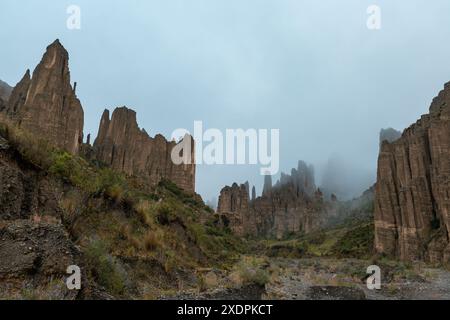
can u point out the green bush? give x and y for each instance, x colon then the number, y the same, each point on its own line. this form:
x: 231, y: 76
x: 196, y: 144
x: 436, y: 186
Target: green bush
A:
x: 356, y: 243
x: 252, y: 270
x: 104, y: 268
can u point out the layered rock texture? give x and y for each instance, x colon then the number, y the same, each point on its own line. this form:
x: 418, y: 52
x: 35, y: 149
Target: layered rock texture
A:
x: 292, y: 205
x: 129, y: 149
x: 46, y: 104
x: 412, y: 196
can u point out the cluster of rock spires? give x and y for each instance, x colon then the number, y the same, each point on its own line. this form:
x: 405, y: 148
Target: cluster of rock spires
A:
x: 412, y: 196
x: 412, y: 193
x: 46, y: 105
x: 292, y: 205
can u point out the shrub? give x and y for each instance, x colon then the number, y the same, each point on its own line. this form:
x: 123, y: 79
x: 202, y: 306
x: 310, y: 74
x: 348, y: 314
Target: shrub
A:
x: 34, y: 150
x: 252, y: 270
x: 356, y: 243
x: 151, y: 240
x: 105, y: 268
x: 115, y: 192
x: 143, y: 209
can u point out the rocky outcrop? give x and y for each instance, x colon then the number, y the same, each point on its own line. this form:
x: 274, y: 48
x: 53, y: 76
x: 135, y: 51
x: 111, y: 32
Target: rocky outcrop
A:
x: 24, y: 192
x: 234, y: 204
x: 35, y: 256
x: 292, y: 205
x: 412, y: 196
x: 125, y: 147
x: 46, y: 104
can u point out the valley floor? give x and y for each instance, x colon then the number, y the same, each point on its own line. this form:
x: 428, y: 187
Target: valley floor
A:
x: 323, y: 278
x: 330, y: 279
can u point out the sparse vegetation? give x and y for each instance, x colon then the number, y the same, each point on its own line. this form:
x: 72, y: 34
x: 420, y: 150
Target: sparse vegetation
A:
x: 105, y: 268
x: 252, y: 270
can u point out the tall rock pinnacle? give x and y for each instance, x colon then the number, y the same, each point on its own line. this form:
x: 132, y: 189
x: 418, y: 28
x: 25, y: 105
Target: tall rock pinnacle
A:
x: 46, y: 104
x: 267, y: 188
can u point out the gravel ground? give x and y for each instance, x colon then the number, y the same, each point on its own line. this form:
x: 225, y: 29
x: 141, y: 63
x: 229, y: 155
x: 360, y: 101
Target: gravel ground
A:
x: 322, y: 279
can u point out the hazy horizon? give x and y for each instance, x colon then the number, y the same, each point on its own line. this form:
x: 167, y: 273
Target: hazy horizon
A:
x: 312, y: 70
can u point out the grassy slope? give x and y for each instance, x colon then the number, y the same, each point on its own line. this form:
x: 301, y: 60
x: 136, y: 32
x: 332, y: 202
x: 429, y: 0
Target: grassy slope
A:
x: 136, y: 241
x: 350, y: 236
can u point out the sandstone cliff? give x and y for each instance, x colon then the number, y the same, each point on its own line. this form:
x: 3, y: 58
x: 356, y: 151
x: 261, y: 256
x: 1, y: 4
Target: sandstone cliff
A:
x: 46, y: 104
x: 412, y: 204
x: 292, y: 205
x: 125, y: 147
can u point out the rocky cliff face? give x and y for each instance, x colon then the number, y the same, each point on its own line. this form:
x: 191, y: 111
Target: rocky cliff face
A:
x: 292, y: 205
x: 412, y: 197
x: 234, y: 205
x: 46, y: 104
x: 127, y: 148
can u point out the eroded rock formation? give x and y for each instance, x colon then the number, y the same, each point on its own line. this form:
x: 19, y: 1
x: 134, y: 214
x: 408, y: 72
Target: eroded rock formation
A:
x: 129, y: 149
x: 292, y: 205
x: 46, y: 104
x: 412, y: 197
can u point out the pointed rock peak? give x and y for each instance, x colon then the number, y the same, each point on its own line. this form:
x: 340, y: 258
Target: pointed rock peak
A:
x: 105, y: 114
x: 25, y: 78
x: 56, y: 45
x: 105, y: 117
x: 56, y: 49
x: 27, y: 75
x: 267, y: 185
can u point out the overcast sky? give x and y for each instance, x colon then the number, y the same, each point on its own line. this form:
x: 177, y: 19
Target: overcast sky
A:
x: 309, y: 68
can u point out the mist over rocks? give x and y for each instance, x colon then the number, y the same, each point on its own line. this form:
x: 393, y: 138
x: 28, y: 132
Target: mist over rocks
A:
x: 293, y: 204
x: 389, y: 135
x: 412, y: 204
x: 344, y: 178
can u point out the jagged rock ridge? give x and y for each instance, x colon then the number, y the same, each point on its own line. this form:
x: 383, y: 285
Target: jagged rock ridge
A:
x: 412, y: 197
x: 292, y: 205
x: 46, y: 105
x: 127, y: 148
